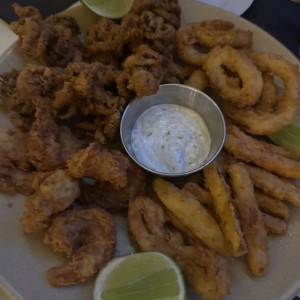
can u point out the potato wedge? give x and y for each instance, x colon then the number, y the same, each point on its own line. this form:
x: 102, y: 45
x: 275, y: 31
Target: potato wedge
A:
x: 251, y: 219
x: 224, y: 209
x: 193, y: 216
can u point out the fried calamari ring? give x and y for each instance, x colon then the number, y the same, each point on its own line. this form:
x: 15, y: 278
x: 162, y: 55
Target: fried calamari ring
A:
x: 216, y: 66
x: 211, y: 33
x: 285, y: 108
x: 185, y: 42
x: 246, y: 148
x: 87, y: 236
x: 197, y: 80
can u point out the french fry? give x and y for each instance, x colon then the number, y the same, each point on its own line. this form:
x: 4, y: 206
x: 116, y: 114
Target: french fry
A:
x: 274, y: 185
x: 274, y: 225
x: 250, y: 218
x: 199, y: 192
x: 272, y: 206
x: 224, y: 209
x: 191, y: 214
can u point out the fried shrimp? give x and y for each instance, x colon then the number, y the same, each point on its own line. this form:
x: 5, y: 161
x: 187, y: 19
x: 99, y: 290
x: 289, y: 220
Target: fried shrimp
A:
x: 222, y: 61
x: 202, y: 268
x: 87, y: 237
x: 248, y: 149
x: 285, y: 108
x: 54, y: 192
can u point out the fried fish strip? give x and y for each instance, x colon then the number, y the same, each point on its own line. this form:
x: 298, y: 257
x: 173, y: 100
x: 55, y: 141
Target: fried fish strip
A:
x: 274, y: 186
x: 224, y: 208
x: 250, y: 218
x: 185, y: 207
x: 204, y: 270
x: 248, y: 149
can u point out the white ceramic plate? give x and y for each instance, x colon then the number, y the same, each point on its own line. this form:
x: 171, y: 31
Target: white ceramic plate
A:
x: 24, y: 259
x: 235, y: 6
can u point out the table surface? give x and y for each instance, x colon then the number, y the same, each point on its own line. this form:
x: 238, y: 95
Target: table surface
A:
x: 280, y: 18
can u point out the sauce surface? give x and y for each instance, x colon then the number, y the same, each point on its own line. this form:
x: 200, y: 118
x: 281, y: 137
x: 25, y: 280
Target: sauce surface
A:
x: 170, y: 138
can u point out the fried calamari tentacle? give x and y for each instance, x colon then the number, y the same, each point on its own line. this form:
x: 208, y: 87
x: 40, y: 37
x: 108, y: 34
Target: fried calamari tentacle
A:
x: 211, y: 33
x: 87, y: 236
x: 286, y: 106
x: 102, y: 193
x: 251, y: 219
x: 142, y: 73
x: 274, y: 186
x: 202, y: 268
x: 248, y: 149
x: 53, y: 41
x: 49, y: 145
x: 101, y: 164
x: 54, y: 192
x: 237, y: 62
x: 13, y: 148
x: 169, y: 10
x: 86, y: 90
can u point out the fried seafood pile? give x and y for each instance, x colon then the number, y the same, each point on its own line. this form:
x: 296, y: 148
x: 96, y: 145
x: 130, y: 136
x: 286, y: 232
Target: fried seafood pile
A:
x: 63, y: 151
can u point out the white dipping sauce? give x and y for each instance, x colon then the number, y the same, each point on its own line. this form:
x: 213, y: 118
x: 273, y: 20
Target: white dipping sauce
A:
x: 170, y: 138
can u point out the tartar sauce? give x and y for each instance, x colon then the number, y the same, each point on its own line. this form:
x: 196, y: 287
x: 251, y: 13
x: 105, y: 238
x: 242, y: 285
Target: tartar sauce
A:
x: 170, y: 138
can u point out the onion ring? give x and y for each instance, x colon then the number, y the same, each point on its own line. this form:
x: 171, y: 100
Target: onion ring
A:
x: 237, y: 62
x: 256, y: 122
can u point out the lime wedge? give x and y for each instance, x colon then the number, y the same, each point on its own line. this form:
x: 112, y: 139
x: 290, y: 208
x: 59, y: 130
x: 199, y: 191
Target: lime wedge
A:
x: 109, y: 8
x: 146, y: 275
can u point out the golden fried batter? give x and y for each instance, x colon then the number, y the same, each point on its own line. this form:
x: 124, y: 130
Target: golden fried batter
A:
x: 54, y: 192
x: 87, y: 236
x: 103, y: 165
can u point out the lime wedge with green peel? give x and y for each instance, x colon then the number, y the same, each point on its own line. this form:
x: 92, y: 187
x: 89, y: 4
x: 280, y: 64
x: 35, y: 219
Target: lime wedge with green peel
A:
x: 146, y: 275
x: 114, y: 9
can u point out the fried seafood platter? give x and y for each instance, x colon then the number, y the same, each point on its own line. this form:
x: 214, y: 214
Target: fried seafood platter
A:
x: 71, y: 199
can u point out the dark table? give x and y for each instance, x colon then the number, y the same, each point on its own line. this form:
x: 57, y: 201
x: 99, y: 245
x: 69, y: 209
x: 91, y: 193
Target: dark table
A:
x: 280, y: 18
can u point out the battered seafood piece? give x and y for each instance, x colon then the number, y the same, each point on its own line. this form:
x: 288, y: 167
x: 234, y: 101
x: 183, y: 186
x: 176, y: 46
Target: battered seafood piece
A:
x: 149, y: 29
x: 13, y: 149
x: 248, y: 149
x: 202, y: 268
x: 13, y: 180
x: 49, y: 145
x: 209, y: 34
x: 142, y: 73
x: 223, y: 206
x: 102, y: 193
x: 101, y: 164
x: 54, y: 192
x: 86, y: 90
x: 251, y: 219
x: 183, y: 207
x: 285, y: 107
x: 238, y: 62
x: 169, y: 10
x: 87, y: 236
x: 53, y: 41
x: 197, y: 80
